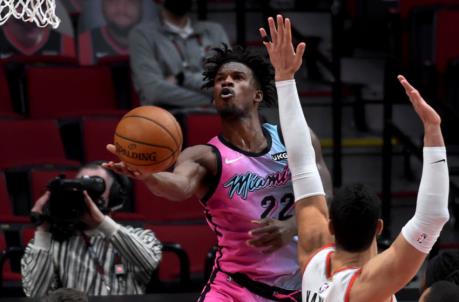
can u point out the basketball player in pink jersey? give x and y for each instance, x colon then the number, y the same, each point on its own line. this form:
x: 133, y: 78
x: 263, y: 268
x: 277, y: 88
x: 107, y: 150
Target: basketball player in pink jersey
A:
x: 244, y: 183
x: 351, y: 270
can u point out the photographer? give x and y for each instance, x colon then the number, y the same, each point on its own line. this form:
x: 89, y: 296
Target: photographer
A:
x: 95, y: 254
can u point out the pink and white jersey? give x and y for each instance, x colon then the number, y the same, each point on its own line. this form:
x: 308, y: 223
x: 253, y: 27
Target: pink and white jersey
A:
x: 250, y: 187
x: 320, y: 284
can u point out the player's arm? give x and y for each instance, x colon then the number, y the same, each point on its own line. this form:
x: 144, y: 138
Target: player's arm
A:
x: 311, y: 207
x: 391, y: 270
x: 194, y: 165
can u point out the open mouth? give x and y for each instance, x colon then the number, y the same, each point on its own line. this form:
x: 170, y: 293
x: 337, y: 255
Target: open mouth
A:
x: 226, y: 93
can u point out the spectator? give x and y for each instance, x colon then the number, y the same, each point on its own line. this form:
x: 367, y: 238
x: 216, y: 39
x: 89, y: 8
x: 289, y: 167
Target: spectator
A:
x: 95, y: 254
x: 112, y: 38
x: 25, y: 38
x: 167, y: 57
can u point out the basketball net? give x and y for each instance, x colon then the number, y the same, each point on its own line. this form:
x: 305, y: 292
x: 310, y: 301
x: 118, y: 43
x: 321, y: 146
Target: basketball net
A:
x: 41, y: 12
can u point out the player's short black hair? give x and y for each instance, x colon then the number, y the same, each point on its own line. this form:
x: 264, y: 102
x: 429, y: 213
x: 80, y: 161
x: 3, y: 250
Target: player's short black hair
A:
x: 354, y: 213
x: 444, y: 266
x: 262, y: 69
x: 442, y: 291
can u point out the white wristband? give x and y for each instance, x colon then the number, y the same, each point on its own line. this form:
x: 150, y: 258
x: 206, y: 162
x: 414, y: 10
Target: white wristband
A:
x: 301, y: 156
x: 423, y: 230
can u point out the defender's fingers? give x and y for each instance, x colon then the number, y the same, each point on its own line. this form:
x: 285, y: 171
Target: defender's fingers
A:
x: 272, y: 30
x: 288, y: 32
x: 264, y: 35
x: 300, y: 48
x: 280, y: 29
x: 265, y: 39
x: 413, y: 94
x: 405, y: 84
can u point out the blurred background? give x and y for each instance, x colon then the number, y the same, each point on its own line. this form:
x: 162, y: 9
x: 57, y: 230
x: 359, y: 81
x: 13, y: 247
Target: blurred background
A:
x: 63, y: 91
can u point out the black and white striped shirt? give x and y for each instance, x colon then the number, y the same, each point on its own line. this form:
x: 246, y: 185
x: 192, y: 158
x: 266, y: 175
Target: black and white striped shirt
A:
x: 118, y: 261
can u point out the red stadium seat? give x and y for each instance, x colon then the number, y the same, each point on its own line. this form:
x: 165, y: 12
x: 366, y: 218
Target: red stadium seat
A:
x: 195, y: 239
x: 201, y: 127
x: 29, y: 142
x: 6, y: 210
x: 160, y: 209
x: 6, y: 108
x: 446, y: 48
x: 60, y: 92
x: 38, y: 180
x: 97, y: 133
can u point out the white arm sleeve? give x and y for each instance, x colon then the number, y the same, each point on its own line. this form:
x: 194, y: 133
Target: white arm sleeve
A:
x: 301, y: 157
x: 431, y: 214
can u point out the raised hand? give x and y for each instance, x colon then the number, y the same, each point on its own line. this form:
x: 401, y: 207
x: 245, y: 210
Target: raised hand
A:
x: 429, y: 117
x: 285, y: 59
x: 426, y: 113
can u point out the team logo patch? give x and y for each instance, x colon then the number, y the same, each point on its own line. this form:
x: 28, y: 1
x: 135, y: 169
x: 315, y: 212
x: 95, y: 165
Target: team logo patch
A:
x: 324, y: 287
x: 279, y: 156
x: 421, y: 237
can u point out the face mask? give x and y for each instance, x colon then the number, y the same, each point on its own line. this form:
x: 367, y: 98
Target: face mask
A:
x: 178, y: 8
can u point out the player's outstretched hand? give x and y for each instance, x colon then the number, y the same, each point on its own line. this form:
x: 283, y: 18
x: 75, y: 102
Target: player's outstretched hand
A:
x: 429, y: 117
x: 121, y: 167
x: 426, y: 113
x: 285, y: 59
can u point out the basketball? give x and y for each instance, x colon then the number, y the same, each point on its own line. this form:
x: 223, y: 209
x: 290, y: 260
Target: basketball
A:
x: 148, y: 139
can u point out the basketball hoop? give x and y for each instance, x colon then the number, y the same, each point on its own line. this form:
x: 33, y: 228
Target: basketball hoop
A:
x: 41, y: 12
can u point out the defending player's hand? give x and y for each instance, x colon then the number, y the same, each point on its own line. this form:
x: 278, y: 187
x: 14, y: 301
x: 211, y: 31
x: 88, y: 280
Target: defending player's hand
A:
x: 121, y: 167
x: 285, y: 59
x: 272, y: 234
x: 430, y: 119
x: 426, y: 113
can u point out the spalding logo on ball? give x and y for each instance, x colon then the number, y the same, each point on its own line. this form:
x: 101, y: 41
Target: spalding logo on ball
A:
x: 149, y: 139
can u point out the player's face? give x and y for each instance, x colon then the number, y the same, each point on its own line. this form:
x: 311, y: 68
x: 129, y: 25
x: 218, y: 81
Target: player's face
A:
x: 101, y: 173
x: 122, y: 13
x: 235, y: 91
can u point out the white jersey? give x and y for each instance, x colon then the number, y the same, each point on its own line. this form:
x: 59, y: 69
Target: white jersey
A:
x: 320, y: 284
